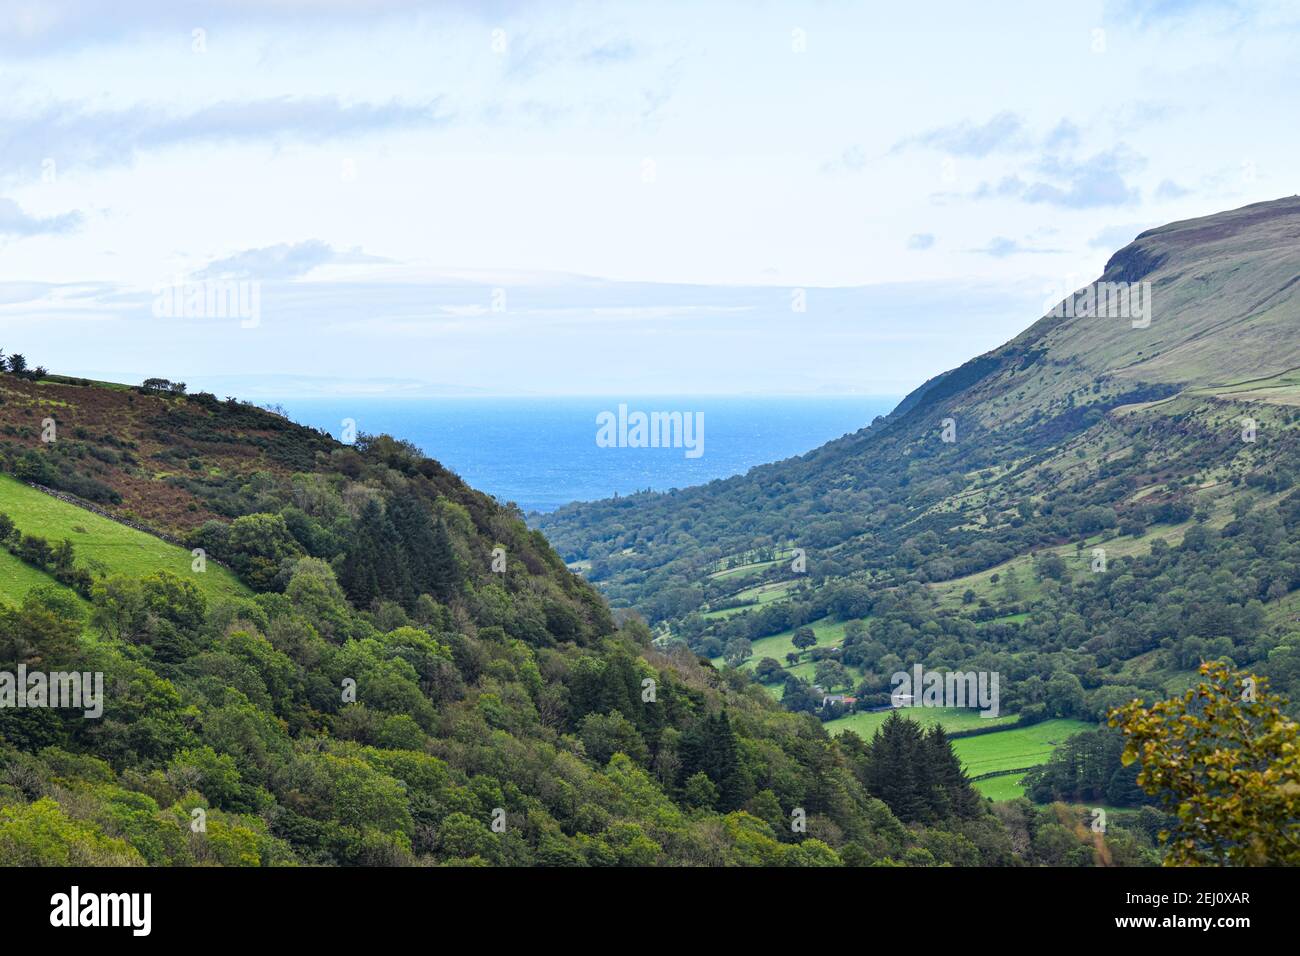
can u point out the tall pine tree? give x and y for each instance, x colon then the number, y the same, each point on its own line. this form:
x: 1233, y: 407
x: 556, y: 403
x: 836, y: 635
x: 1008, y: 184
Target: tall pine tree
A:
x: 917, y: 773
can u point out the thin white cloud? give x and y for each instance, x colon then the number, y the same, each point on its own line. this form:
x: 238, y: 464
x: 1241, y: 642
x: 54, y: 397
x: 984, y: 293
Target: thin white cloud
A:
x: 284, y: 261
x: 999, y: 247
x: 1096, y: 182
x: 14, y: 222
x: 528, y: 56
x: 77, y: 136
x: 34, y: 28
x: 448, y: 331
x: 1168, y: 189
x: 1004, y: 131
x: 852, y: 160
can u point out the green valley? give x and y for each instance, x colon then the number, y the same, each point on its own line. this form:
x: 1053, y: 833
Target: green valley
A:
x: 1092, y: 510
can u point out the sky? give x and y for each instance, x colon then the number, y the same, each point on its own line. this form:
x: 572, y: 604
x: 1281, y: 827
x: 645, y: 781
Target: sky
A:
x: 495, y: 198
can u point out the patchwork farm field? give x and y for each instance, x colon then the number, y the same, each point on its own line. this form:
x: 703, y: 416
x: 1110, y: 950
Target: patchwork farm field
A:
x: 1017, y: 575
x: 829, y: 634
x: 742, y: 571
x: 1004, y: 750
x: 953, y: 719
x: 1017, y: 747
x: 101, y: 545
x: 758, y: 595
x: 1007, y: 786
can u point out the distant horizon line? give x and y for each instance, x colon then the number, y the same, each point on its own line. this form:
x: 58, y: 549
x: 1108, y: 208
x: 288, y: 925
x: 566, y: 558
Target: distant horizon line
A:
x: 469, y: 393
x: 624, y: 396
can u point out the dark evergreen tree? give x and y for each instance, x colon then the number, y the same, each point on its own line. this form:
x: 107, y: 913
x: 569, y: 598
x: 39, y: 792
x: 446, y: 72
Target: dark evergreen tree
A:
x: 732, y: 788
x: 916, y: 772
x: 374, y: 566
x: 954, y: 795
x: 419, y: 544
x: 443, y: 568
x: 891, y: 768
x: 708, y: 746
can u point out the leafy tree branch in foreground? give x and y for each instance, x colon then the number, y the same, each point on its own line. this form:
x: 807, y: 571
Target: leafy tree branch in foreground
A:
x: 1225, y: 759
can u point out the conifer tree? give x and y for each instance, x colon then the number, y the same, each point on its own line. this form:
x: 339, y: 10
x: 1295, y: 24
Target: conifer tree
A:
x: 418, y: 542
x: 443, y: 569
x: 958, y: 796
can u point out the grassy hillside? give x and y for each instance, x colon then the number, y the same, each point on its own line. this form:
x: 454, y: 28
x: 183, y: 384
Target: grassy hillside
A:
x: 1014, y: 749
x: 1142, y: 421
x: 1224, y: 304
x: 1065, y: 400
x: 17, y: 577
x: 102, y: 546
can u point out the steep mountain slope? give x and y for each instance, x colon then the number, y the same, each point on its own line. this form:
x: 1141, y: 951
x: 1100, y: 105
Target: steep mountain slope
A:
x: 1220, y: 306
x: 1011, y: 510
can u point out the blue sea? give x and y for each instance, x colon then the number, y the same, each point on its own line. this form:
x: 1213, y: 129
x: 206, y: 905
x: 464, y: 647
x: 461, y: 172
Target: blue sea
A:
x: 542, y: 453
